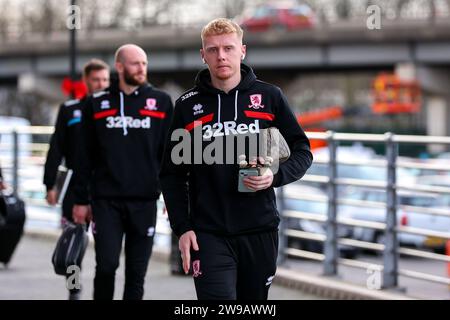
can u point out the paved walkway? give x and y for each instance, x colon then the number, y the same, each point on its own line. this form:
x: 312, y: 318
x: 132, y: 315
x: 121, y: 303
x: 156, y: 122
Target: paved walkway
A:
x: 30, y: 276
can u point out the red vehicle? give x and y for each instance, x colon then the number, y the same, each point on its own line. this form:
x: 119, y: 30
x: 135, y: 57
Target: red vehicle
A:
x: 279, y: 16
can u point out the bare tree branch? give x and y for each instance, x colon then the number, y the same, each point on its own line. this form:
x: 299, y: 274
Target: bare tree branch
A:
x: 400, y: 5
x: 90, y: 15
x: 119, y: 13
x: 159, y: 8
x: 232, y: 8
x: 432, y: 8
x: 4, y: 22
x: 343, y: 9
x: 46, y: 18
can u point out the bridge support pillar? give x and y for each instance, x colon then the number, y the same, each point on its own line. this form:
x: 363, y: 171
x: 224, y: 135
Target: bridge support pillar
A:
x: 437, y: 113
x: 434, y: 83
x: 436, y: 102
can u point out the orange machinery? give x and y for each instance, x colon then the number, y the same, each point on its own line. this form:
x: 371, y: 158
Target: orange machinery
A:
x: 312, y: 118
x: 393, y: 95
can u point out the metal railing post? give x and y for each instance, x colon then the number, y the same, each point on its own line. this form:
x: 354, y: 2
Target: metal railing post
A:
x: 15, y: 175
x: 390, y: 254
x: 330, y: 245
x: 282, y: 238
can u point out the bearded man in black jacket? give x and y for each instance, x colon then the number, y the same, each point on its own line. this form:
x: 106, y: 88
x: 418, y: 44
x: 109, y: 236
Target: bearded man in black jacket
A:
x: 124, y: 130
x: 228, y: 238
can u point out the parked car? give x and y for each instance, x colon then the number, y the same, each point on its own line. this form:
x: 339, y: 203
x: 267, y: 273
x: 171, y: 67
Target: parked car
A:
x: 362, y: 172
x: 279, y: 16
x: 406, y: 216
x: 440, y: 162
x: 437, y: 181
x: 444, y: 155
x: 292, y: 202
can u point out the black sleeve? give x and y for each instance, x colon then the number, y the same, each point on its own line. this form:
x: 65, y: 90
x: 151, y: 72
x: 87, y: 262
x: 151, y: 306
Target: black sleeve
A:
x: 1, y: 175
x: 301, y: 157
x: 55, y: 153
x: 174, y: 181
x: 165, y: 128
x: 84, y: 155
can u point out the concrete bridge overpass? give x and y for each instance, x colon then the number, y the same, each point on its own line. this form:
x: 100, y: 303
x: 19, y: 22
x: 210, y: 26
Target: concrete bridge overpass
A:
x: 279, y: 56
x: 172, y: 49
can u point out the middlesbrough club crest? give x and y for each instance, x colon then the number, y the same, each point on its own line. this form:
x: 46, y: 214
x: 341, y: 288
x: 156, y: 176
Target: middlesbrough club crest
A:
x: 255, y: 101
x: 151, y: 104
x: 196, y: 268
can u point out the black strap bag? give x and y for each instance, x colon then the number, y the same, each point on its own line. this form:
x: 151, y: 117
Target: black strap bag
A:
x: 12, y: 220
x: 70, y: 248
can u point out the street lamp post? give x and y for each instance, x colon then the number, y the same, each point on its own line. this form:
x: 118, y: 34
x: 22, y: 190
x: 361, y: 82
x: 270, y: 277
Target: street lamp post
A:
x: 72, y: 53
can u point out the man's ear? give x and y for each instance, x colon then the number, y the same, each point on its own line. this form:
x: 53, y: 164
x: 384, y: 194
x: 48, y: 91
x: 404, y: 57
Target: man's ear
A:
x: 119, y: 67
x: 244, y: 51
x: 202, y: 54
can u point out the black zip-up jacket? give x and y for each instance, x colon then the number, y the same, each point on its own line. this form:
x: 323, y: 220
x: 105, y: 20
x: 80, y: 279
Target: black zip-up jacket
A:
x: 64, y: 140
x: 204, y: 197
x: 123, y: 143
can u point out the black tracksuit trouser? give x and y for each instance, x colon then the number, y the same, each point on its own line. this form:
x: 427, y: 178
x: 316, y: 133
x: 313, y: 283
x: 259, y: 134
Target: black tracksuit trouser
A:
x: 112, y: 219
x: 237, y: 267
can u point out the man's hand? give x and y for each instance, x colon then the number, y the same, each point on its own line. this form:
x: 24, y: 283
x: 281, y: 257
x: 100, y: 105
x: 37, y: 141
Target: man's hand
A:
x: 257, y: 183
x: 187, y: 240
x: 51, y: 197
x: 2, y: 185
x: 81, y: 213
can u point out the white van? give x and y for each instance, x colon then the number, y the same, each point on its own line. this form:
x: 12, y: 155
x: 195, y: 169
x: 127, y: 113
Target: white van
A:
x: 7, y: 126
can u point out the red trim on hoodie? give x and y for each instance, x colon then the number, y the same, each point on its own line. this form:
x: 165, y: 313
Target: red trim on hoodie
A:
x: 199, y: 121
x: 104, y: 114
x: 153, y: 114
x: 259, y: 115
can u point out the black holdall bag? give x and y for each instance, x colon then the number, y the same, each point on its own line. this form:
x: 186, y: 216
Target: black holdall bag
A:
x: 12, y: 220
x: 70, y: 248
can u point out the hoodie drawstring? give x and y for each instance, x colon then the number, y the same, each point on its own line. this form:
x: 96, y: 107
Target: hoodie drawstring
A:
x: 122, y: 115
x: 218, y: 107
x: 235, y: 104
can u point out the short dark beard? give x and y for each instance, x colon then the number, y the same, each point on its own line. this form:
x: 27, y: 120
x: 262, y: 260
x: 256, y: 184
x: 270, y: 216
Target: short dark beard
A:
x: 129, y: 80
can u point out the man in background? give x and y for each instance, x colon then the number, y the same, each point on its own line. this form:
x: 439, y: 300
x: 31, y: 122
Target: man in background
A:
x: 65, y: 139
x: 2, y: 183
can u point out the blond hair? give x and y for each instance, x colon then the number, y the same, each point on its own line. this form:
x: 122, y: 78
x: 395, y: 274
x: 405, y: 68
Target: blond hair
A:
x: 221, y: 26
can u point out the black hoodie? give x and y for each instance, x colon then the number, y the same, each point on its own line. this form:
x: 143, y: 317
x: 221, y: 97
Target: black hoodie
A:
x: 204, y: 197
x: 64, y: 140
x: 122, y: 144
